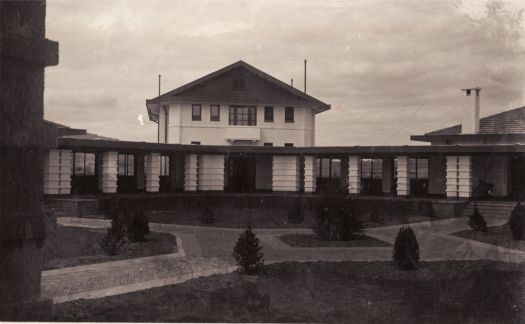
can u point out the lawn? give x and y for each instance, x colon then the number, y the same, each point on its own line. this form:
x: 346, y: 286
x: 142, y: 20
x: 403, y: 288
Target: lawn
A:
x: 349, y: 292
x: 497, y: 235
x: 312, y: 240
x: 73, y: 246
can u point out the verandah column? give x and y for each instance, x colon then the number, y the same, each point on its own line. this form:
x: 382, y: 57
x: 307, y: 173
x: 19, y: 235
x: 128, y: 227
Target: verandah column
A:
x: 152, y: 168
x: 465, y: 176
x: 211, y: 172
x: 452, y: 176
x: 354, y: 174
x: 403, y: 181
x: 309, y: 174
x: 57, y: 172
x: 285, y: 175
x: 191, y: 172
x: 109, y: 172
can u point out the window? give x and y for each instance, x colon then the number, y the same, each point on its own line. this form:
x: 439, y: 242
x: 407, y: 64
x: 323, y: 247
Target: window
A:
x: 126, y: 164
x: 268, y: 144
x: 371, y: 168
x: 196, y: 112
x: 288, y: 144
x: 268, y: 114
x: 418, y: 169
x: 288, y: 115
x: 195, y: 143
x: 238, y: 84
x: 215, y: 113
x: 243, y: 115
x: 84, y: 164
x: 328, y: 168
x: 164, y: 165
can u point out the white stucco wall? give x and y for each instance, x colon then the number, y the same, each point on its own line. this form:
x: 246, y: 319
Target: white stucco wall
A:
x: 182, y: 130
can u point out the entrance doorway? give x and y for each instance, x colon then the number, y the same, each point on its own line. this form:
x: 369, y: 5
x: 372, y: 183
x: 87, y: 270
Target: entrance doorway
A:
x: 517, y: 178
x: 241, y: 174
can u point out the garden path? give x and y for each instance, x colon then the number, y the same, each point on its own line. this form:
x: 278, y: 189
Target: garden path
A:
x: 207, y: 250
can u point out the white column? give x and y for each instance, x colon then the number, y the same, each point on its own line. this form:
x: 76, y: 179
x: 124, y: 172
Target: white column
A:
x: 211, y: 172
x: 465, y: 176
x: 309, y: 174
x: 285, y: 173
x: 57, y: 172
x: 452, y: 176
x: 152, y: 172
x: 191, y: 172
x: 354, y: 174
x: 109, y: 172
x: 403, y: 181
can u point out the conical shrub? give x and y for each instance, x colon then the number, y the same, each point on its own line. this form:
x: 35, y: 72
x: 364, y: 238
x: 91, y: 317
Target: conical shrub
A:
x: 476, y: 221
x: 248, y: 253
x: 517, y: 222
x: 406, y: 249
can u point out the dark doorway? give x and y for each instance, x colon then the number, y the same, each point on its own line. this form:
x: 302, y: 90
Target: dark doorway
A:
x: 126, y: 180
x: 84, y: 179
x: 241, y: 174
x: 518, y: 178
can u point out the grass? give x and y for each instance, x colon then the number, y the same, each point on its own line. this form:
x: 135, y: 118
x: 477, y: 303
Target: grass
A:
x: 312, y: 240
x: 497, y: 235
x: 350, y: 292
x: 73, y: 246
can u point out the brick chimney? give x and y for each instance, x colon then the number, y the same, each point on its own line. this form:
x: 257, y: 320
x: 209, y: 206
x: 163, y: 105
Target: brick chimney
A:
x: 470, y: 111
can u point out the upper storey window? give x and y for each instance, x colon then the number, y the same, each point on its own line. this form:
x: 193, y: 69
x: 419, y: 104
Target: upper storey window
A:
x: 288, y: 115
x: 268, y: 114
x: 215, y: 113
x: 196, y: 112
x: 238, y: 83
x: 243, y: 115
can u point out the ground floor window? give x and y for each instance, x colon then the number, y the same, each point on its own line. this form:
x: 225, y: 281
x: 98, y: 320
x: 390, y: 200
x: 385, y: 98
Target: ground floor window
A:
x: 126, y: 165
x: 84, y: 164
x: 372, y: 176
x: 164, y: 165
x: 418, y: 175
x: 328, y: 173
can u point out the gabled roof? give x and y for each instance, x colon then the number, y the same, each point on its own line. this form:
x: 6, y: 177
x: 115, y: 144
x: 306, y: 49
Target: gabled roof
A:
x: 507, y: 122
x: 152, y: 104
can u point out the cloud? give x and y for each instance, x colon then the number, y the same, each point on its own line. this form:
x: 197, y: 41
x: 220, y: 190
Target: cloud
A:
x: 389, y: 69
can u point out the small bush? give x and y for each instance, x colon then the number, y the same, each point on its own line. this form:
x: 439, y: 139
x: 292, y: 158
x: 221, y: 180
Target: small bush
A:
x: 137, y: 225
x: 206, y: 216
x: 248, y: 253
x: 296, y: 213
x: 337, y: 217
x: 114, y: 237
x: 477, y: 222
x: 516, y: 222
x: 406, y: 249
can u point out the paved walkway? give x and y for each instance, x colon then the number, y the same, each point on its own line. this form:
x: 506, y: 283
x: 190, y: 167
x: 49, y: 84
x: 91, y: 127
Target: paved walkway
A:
x: 207, y: 250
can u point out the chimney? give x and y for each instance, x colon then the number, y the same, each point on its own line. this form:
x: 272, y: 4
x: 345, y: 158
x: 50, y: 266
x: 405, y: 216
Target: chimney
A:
x: 470, y: 111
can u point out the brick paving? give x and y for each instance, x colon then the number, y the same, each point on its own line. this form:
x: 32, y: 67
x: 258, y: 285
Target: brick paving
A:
x: 204, y: 251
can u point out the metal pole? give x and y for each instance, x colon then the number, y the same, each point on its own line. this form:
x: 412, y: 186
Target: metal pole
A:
x: 304, y: 76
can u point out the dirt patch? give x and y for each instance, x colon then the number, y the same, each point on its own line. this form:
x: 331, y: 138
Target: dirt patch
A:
x: 350, y: 292
x: 312, y: 240
x: 74, y: 246
x: 497, y: 235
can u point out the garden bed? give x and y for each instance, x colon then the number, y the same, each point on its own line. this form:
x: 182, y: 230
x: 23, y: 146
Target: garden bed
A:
x: 497, y: 235
x: 74, y: 246
x: 312, y: 240
x: 349, y: 292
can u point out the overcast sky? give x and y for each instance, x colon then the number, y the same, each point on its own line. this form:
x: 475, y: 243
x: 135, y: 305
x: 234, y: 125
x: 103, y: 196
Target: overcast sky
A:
x: 389, y: 69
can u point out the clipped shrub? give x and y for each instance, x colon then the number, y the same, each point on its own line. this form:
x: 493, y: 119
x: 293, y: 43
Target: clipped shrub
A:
x: 248, y: 253
x: 296, y: 213
x: 337, y: 216
x: 137, y: 225
x: 206, y: 216
x: 115, y: 235
x: 476, y: 221
x: 406, y: 249
x: 516, y: 222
